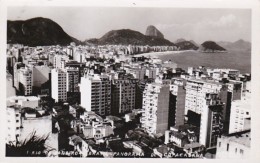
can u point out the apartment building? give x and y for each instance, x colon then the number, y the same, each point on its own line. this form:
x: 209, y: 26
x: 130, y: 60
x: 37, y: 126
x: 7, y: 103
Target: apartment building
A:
x: 211, y: 120
x: 196, y: 90
x: 140, y: 86
x: 59, y: 85
x: 59, y: 61
x: 16, y: 76
x: 236, y: 88
x: 72, y: 79
x: 138, y: 73
x: 177, y: 102
x: 240, y: 115
x: 25, y: 81
x: 123, y: 95
x: 151, y: 72
x: 95, y: 92
x: 155, y: 110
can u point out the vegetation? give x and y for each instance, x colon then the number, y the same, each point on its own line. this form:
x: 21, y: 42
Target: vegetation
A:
x: 33, y: 146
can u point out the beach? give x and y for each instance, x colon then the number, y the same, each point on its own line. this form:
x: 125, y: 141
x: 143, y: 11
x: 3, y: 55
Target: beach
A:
x: 157, y: 54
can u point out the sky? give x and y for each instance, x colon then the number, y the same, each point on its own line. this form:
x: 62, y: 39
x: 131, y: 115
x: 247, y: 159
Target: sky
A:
x: 189, y: 23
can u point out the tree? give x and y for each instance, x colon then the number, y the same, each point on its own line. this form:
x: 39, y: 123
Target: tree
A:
x: 33, y: 146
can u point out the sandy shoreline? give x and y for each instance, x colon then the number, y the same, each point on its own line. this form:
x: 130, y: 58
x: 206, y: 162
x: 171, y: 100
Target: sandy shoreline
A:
x: 156, y: 54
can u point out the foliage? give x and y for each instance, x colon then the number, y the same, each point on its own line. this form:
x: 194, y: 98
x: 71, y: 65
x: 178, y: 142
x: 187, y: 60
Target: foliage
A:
x: 33, y: 146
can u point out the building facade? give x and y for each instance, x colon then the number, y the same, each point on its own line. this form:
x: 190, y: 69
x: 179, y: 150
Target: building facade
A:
x: 59, y: 61
x: 72, y: 79
x: 123, y: 95
x: 211, y: 120
x: 196, y: 92
x: 59, y: 85
x: 177, y: 102
x: 240, y: 116
x: 155, y: 109
x: 25, y: 81
x: 13, y: 117
x: 95, y: 92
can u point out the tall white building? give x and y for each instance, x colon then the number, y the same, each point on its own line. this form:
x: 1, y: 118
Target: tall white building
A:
x: 196, y: 93
x: 59, y: 61
x: 155, y: 110
x: 203, y: 98
x: 95, y: 92
x: 58, y: 85
x: 16, y: 75
x: 13, y: 117
x: 26, y: 80
x: 79, y: 56
x: 240, y: 114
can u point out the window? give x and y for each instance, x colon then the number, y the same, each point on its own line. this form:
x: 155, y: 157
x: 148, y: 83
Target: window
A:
x: 227, y: 146
x: 241, y: 151
x: 219, y: 144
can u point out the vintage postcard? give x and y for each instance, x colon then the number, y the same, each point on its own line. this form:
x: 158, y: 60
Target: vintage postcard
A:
x: 132, y: 79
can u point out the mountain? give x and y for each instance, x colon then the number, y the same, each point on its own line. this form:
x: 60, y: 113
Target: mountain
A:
x: 127, y: 36
x: 186, y: 45
x: 239, y: 45
x: 153, y: 31
x: 37, y: 32
x: 194, y: 43
x: 211, y: 46
x: 77, y: 42
x: 224, y: 44
x: 179, y: 40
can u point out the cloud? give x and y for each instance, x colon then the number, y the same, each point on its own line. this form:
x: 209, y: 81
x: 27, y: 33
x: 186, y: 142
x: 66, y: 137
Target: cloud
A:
x: 223, y: 22
x: 202, y: 29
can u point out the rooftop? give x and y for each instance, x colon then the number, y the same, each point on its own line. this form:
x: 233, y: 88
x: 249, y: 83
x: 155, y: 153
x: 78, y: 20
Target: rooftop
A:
x: 23, y: 98
x: 192, y: 145
x: 243, y: 138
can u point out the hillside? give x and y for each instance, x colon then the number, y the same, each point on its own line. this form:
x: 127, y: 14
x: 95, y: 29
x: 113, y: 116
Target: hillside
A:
x: 239, y: 45
x: 36, y: 32
x: 127, y: 36
x: 179, y: 40
x: 153, y: 31
x: 211, y: 46
x: 186, y: 45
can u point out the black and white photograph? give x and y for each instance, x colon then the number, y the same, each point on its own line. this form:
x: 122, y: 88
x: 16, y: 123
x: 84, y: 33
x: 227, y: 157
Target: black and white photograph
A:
x: 128, y: 82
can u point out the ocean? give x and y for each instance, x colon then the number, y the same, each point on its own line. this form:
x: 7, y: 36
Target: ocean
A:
x: 240, y: 60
